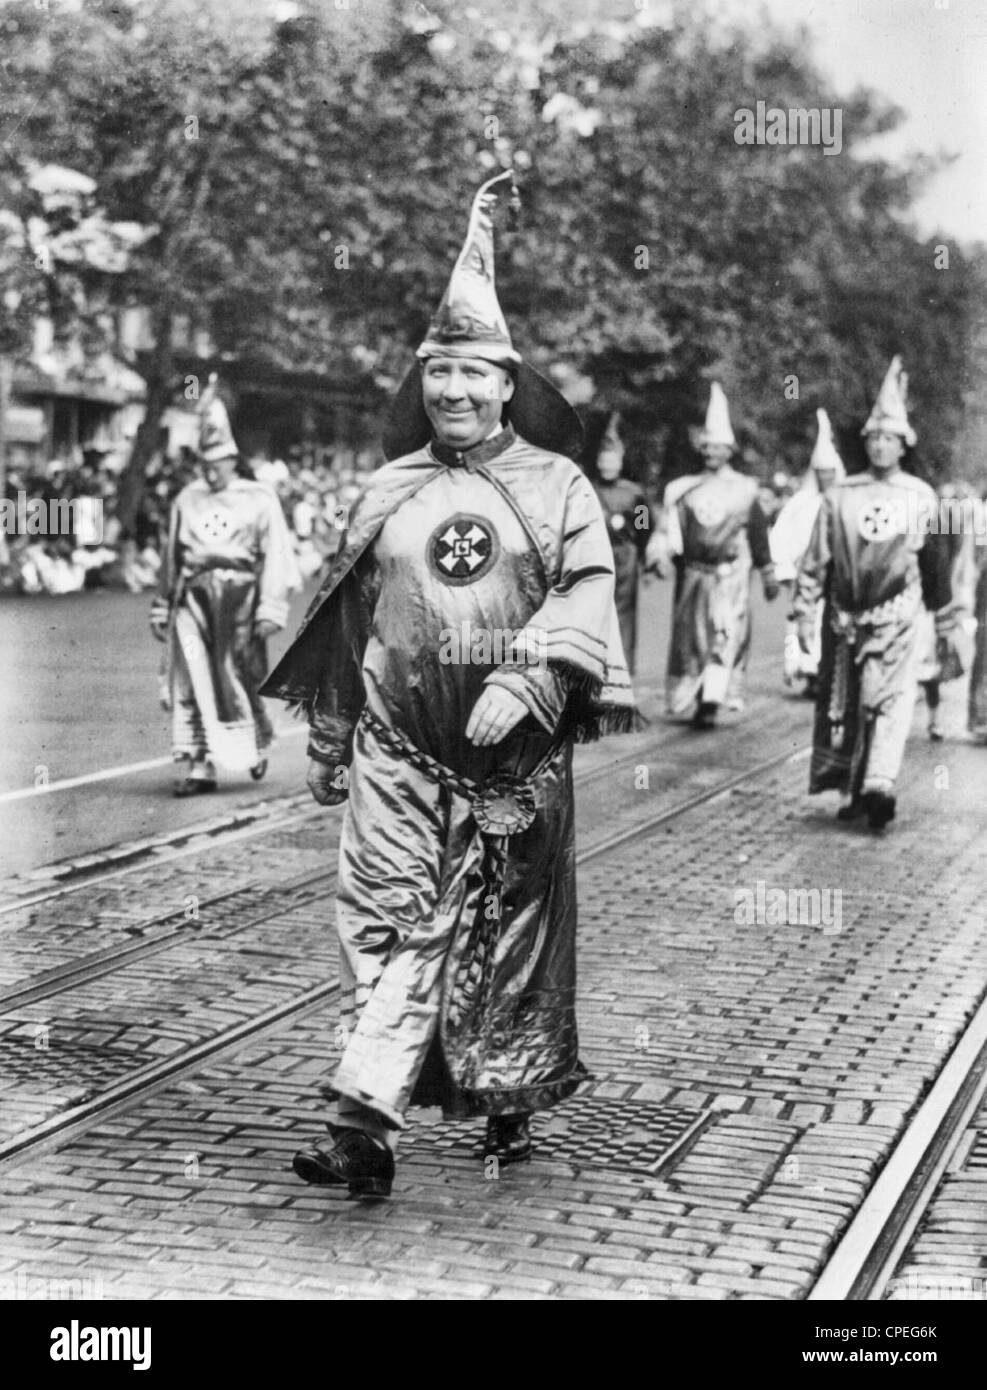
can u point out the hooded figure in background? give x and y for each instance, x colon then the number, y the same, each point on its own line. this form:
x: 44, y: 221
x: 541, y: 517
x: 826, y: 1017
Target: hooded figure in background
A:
x: 875, y: 558
x: 630, y: 525
x: 790, y: 536
x: 464, y: 637
x: 715, y: 523
x: 226, y: 574
x: 931, y: 671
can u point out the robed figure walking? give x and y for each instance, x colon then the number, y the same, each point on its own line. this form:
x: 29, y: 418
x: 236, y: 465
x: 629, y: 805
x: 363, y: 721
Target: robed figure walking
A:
x: 630, y: 525
x: 456, y: 905
x: 876, y: 556
x: 227, y: 571
x: 718, y: 532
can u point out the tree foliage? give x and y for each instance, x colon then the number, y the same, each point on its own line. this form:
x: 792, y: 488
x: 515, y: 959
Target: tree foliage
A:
x: 308, y: 170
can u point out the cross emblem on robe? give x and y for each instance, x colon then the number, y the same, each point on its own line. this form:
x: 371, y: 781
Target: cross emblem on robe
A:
x: 878, y: 521
x: 462, y: 549
x: 216, y: 525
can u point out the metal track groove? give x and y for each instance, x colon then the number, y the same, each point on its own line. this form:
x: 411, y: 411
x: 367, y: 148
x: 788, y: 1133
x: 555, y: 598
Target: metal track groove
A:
x: 124, y: 1094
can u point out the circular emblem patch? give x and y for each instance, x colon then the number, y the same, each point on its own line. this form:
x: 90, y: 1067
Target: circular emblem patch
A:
x: 216, y: 525
x: 462, y: 549
x: 708, y: 511
x: 878, y: 521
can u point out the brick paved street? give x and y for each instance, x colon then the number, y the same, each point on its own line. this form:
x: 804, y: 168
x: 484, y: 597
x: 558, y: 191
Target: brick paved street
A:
x: 789, y: 1053
x: 948, y: 1257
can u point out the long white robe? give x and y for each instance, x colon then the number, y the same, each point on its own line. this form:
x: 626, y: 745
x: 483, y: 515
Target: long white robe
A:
x: 229, y: 563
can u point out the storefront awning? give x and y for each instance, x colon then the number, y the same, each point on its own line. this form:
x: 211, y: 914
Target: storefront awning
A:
x: 25, y: 425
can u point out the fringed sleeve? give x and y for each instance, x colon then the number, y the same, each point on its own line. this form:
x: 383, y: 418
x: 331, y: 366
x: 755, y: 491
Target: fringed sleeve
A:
x: 321, y: 678
x: 568, y: 665
x: 279, y: 574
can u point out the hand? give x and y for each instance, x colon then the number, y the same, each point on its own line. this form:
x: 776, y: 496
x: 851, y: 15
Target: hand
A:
x: 263, y: 628
x: 159, y: 629
x: 656, y: 556
x: 494, y: 715
x: 329, y: 784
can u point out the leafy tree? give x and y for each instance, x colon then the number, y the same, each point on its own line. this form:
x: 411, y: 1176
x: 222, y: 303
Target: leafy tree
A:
x: 307, y: 170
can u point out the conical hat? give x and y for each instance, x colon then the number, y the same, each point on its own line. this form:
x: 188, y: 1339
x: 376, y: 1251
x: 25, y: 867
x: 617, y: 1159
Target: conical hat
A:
x: 611, y: 435
x: 469, y: 323
x: 215, y: 435
x: 824, y: 454
x: 717, y: 429
x: 890, y: 413
x: 598, y: 444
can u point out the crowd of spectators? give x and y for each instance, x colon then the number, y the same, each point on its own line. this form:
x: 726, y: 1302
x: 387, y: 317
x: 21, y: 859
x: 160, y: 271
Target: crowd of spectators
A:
x: 93, y: 553
x: 316, y: 497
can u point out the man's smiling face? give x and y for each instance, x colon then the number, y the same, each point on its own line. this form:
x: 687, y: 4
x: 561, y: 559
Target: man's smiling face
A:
x: 463, y: 398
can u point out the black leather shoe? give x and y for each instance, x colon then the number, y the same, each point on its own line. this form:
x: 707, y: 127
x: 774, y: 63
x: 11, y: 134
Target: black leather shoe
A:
x: 705, y: 716
x: 851, y: 811
x: 880, y: 808
x: 186, y: 784
x: 366, y: 1165
x: 508, y: 1138
x: 194, y: 786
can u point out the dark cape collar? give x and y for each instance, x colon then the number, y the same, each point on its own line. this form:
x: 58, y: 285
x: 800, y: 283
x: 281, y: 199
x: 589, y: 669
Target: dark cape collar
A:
x: 474, y: 458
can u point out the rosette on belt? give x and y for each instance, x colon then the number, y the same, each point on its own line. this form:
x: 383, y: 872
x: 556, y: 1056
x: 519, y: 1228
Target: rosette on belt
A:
x: 505, y: 805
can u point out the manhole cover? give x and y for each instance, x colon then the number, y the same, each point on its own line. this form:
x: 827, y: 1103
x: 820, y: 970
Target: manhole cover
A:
x: 27, y: 1062
x: 592, y: 1132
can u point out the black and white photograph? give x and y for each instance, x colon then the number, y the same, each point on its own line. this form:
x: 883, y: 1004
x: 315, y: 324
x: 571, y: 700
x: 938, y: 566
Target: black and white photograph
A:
x: 493, y: 613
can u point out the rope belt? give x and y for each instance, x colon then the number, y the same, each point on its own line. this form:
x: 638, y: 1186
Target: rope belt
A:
x: 218, y: 563
x: 712, y: 567
x: 162, y: 606
x: 503, y: 806
x: 902, y: 607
